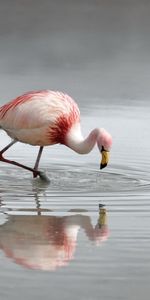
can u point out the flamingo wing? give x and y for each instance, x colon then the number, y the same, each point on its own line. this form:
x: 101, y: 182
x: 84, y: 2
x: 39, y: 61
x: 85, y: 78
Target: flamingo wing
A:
x: 39, y: 118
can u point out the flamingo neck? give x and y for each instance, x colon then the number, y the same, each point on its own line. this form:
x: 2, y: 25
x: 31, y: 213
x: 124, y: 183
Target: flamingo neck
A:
x: 76, y: 142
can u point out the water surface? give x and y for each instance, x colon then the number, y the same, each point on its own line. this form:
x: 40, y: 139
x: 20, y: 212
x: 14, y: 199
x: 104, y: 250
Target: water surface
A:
x: 53, y: 239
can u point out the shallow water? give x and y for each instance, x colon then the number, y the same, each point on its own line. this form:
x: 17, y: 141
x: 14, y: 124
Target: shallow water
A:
x: 86, y: 234
x: 54, y: 240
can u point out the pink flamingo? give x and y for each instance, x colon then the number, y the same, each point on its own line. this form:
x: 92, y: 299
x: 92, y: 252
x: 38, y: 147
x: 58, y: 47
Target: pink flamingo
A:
x: 43, y: 118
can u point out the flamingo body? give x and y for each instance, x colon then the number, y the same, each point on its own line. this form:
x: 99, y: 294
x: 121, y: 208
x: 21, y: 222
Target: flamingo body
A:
x: 43, y: 118
x: 39, y: 118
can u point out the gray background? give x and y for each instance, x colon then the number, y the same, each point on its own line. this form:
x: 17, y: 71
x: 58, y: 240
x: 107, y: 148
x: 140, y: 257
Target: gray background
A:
x: 97, y: 49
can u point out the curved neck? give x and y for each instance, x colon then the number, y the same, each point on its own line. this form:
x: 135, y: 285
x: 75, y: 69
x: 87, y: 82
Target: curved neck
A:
x: 76, y: 142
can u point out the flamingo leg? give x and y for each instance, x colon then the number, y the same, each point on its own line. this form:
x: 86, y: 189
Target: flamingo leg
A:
x: 7, y: 147
x: 35, y: 174
x: 12, y: 162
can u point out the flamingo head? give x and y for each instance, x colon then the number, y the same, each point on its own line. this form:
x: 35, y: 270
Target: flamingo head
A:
x: 104, y: 145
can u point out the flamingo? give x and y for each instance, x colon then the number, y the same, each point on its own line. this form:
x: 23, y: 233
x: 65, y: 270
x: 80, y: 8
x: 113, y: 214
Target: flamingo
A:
x: 45, y: 117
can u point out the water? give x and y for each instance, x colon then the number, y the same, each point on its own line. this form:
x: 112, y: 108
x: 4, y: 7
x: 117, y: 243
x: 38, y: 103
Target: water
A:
x: 86, y: 234
x: 53, y: 238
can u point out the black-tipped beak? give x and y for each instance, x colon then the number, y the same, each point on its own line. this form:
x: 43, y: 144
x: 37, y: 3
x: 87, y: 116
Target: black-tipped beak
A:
x: 105, y: 159
x: 102, y: 166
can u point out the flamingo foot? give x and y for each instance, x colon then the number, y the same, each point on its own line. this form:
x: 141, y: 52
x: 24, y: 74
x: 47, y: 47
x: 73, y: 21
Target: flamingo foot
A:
x: 40, y: 174
x: 43, y: 176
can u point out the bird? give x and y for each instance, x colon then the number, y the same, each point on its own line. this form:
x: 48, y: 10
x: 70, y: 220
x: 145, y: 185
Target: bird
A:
x: 46, y: 117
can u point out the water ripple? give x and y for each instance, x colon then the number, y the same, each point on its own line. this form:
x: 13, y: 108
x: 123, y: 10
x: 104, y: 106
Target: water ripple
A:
x: 74, y: 187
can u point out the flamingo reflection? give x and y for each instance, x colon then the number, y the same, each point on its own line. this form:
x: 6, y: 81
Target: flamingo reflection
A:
x: 48, y: 242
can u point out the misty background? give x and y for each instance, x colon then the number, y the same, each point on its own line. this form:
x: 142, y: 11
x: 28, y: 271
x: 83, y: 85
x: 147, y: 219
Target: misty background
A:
x: 91, y: 49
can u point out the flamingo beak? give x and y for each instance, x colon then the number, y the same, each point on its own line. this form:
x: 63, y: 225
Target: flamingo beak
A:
x: 105, y: 158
